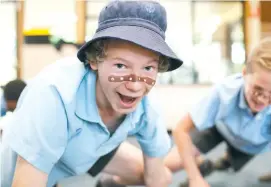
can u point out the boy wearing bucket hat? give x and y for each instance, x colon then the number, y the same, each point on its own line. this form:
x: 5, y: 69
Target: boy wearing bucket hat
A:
x: 237, y: 112
x: 82, y: 109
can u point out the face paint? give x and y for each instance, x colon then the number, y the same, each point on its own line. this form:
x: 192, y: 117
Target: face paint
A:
x: 132, y: 78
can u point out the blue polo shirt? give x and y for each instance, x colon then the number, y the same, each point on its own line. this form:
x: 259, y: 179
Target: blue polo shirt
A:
x: 57, y: 128
x: 226, y: 108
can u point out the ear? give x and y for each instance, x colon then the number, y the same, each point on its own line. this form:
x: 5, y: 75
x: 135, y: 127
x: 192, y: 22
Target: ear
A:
x: 244, y: 71
x: 93, y: 65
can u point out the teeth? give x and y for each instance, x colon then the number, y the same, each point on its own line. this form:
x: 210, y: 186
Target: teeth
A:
x: 127, y: 96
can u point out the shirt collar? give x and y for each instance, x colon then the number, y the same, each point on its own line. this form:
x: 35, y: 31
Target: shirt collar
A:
x: 268, y: 110
x: 86, y: 106
x: 242, y: 100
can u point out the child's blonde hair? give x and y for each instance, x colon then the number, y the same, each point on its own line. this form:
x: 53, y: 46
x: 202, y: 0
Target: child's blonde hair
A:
x: 261, y: 55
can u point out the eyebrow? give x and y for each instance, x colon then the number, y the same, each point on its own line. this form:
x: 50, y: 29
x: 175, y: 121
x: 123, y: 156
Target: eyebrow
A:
x: 129, y: 62
x: 121, y: 59
x: 260, y: 88
x: 153, y: 60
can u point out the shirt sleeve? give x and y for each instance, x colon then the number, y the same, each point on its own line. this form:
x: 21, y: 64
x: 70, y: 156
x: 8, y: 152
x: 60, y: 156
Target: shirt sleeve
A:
x: 37, y: 130
x: 152, y: 134
x: 204, y: 113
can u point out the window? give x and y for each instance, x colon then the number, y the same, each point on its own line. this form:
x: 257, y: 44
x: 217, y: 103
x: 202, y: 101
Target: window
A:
x: 8, y: 56
x: 218, y: 39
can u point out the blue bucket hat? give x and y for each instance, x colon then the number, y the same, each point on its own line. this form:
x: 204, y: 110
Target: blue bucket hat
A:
x: 141, y: 22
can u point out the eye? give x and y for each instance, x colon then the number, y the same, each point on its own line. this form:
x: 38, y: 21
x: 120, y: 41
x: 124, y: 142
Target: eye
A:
x: 149, y: 68
x: 120, y: 66
x: 258, y: 89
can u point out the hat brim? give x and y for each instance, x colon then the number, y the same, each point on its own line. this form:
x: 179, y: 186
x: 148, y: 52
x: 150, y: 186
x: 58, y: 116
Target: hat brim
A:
x: 139, y: 35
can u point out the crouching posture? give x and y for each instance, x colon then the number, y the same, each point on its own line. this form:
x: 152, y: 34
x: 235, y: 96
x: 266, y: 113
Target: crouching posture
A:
x: 237, y: 111
x: 74, y: 116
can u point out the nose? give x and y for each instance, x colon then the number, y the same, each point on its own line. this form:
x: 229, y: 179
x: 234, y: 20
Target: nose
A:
x: 134, y: 86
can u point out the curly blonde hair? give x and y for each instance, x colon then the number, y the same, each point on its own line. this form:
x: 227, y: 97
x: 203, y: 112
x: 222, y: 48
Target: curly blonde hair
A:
x: 97, y: 52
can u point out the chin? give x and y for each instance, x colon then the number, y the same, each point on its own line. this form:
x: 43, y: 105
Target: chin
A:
x: 254, y: 110
x: 125, y: 111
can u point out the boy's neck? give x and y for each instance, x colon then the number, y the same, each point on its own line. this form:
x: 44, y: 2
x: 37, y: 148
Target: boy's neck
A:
x: 112, y: 122
x: 110, y: 118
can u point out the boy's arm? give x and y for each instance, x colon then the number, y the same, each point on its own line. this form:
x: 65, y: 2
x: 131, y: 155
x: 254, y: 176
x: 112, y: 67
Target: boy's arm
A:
x: 202, y: 116
x: 185, y: 147
x: 155, y: 174
x: 36, y: 132
x: 27, y: 175
x: 156, y: 144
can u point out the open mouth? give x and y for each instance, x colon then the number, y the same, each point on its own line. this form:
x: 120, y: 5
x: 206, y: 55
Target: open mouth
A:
x: 127, y: 101
x: 257, y: 104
